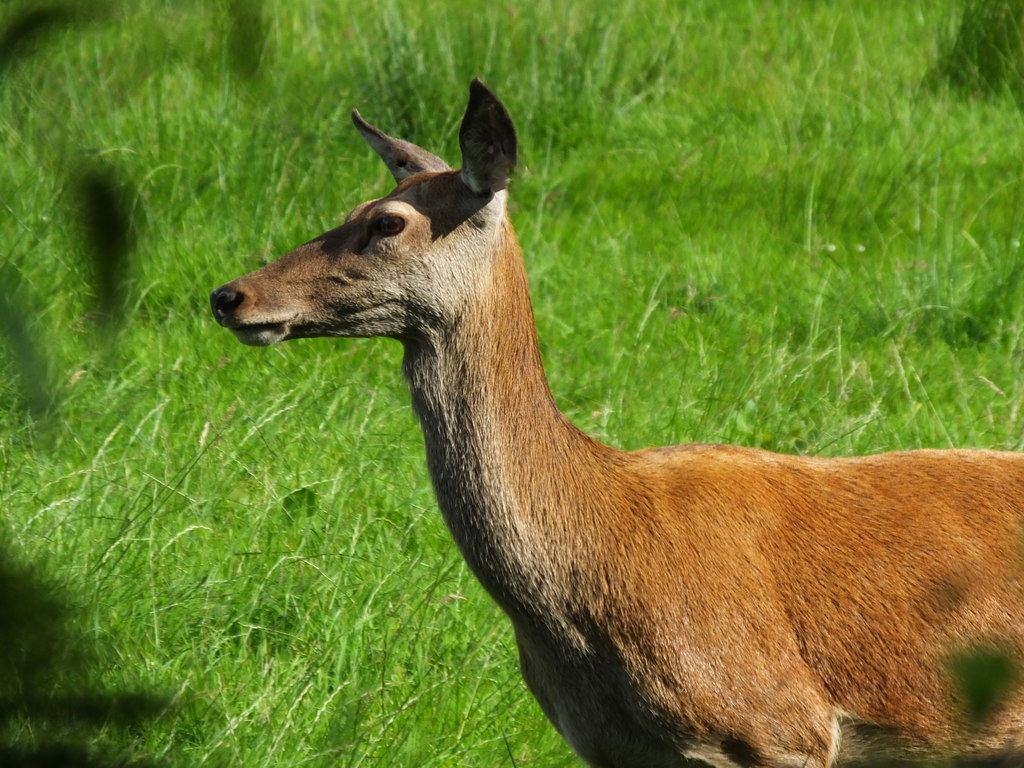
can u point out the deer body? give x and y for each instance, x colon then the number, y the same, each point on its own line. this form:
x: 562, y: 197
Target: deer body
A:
x: 704, y: 602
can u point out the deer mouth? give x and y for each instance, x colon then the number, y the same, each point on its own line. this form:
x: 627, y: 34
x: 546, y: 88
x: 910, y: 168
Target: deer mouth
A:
x: 226, y: 302
x: 260, y: 334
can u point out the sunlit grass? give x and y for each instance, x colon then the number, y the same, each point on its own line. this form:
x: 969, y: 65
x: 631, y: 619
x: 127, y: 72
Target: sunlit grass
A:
x: 746, y: 223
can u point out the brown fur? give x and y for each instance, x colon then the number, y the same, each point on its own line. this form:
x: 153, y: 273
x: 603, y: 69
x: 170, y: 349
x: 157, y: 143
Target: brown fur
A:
x: 706, y: 602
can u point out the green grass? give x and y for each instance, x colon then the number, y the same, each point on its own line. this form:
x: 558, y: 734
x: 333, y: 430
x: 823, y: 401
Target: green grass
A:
x: 768, y: 224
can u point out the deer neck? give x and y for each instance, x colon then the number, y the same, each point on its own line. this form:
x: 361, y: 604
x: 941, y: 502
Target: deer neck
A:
x: 501, y: 456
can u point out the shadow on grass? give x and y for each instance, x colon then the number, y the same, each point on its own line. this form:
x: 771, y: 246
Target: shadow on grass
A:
x: 52, y: 712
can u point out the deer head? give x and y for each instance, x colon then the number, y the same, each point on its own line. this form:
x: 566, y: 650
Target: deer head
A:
x: 401, y: 266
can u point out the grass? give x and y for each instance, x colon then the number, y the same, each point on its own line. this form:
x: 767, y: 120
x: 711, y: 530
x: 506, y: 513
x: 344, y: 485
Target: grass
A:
x: 767, y: 224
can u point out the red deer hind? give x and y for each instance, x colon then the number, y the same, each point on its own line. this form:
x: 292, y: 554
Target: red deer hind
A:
x: 699, y: 602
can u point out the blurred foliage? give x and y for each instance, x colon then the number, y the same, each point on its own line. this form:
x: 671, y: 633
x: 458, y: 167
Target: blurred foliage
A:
x: 51, y: 706
x: 986, y: 54
x: 985, y: 679
x: 107, y: 238
x: 31, y: 27
x: 246, y: 38
x: 27, y: 355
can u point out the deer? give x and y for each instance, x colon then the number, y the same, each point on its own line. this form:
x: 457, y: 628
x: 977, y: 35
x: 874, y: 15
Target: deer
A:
x: 712, y: 603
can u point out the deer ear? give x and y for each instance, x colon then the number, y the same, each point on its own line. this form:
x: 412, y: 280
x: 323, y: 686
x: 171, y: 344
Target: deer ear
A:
x: 488, y: 142
x: 403, y: 158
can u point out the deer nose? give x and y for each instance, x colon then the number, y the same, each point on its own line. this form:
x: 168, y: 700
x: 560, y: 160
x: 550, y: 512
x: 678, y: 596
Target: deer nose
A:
x: 224, y: 301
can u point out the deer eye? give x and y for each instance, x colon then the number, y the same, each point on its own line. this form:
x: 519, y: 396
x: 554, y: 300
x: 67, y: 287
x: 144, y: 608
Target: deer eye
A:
x: 389, y: 225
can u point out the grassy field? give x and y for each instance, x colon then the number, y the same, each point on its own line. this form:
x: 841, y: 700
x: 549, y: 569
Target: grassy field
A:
x: 776, y: 224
